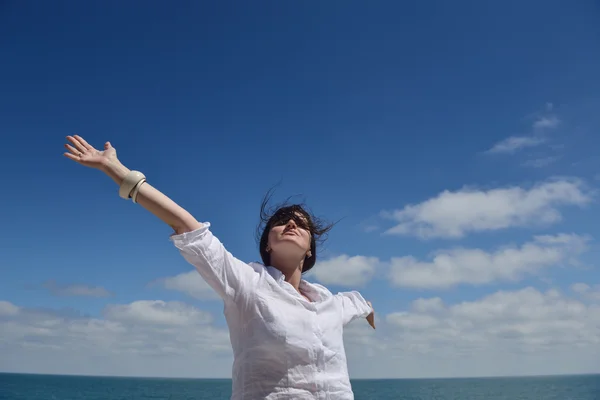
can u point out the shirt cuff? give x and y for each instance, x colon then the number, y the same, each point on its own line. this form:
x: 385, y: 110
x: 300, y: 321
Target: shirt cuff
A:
x: 183, y: 239
x: 362, y: 307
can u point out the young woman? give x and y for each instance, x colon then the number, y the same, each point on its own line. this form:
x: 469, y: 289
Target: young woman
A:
x: 286, y: 333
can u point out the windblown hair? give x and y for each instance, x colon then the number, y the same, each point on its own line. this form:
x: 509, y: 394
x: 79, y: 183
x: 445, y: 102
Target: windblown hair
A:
x: 281, y: 213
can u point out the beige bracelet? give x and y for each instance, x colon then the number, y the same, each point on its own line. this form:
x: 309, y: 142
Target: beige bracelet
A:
x: 129, y: 183
x: 136, y: 190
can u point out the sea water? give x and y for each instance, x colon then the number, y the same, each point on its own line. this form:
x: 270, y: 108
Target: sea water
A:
x: 57, y: 387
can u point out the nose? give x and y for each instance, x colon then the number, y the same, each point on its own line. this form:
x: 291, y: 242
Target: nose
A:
x: 291, y: 224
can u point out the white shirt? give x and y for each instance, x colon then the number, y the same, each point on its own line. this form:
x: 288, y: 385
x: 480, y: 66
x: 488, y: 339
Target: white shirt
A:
x: 284, y: 347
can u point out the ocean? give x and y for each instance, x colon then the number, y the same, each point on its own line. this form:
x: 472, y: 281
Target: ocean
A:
x: 56, y: 387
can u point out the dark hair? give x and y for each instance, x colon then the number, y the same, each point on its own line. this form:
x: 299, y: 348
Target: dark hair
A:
x: 283, y: 212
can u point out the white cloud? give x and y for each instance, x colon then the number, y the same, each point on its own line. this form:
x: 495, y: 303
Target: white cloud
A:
x: 454, y: 214
x: 580, y: 287
x: 142, y: 338
x: 477, y: 267
x: 76, y: 290
x: 587, y: 291
x: 514, y: 143
x: 7, y: 309
x: 364, y: 345
x: 157, y: 312
x: 433, y: 304
x: 345, y: 271
x: 505, y: 333
x: 190, y: 283
x: 146, y: 337
x: 526, y: 323
x: 522, y: 332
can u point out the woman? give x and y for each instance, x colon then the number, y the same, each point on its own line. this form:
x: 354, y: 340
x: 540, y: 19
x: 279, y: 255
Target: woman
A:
x: 286, y: 333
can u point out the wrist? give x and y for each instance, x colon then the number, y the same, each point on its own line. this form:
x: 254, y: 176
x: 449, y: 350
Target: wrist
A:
x: 115, y: 170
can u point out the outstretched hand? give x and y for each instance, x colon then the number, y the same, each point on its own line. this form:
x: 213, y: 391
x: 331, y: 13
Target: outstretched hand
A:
x: 80, y: 151
x: 371, y: 317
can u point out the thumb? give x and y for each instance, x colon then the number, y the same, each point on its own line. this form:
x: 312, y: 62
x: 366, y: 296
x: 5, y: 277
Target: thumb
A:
x: 107, y: 146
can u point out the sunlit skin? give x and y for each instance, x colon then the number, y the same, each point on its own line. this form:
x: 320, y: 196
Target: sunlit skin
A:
x: 288, y: 242
x: 289, y: 246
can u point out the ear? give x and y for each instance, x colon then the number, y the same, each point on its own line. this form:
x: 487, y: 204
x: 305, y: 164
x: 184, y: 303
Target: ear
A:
x: 309, y: 254
x: 268, y: 248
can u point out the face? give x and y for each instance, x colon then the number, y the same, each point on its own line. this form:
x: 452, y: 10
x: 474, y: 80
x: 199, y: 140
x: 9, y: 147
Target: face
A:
x: 290, y: 237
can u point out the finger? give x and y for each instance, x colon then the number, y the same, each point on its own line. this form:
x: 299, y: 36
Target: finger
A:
x: 72, y: 157
x: 73, y: 150
x: 77, y: 144
x: 107, y: 146
x: 84, y: 143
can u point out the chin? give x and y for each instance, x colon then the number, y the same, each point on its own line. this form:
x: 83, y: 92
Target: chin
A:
x: 289, y: 247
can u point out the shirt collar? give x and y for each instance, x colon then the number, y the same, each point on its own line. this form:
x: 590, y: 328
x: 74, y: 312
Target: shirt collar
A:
x: 315, y: 292
x: 275, y: 273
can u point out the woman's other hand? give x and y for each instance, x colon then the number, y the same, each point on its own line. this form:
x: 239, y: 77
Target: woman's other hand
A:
x: 371, y: 317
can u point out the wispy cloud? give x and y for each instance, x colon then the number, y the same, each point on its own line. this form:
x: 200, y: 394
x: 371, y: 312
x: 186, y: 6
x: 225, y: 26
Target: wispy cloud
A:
x: 536, y: 137
x: 75, y: 290
x: 541, y: 162
x: 546, y: 122
x: 515, y: 143
x: 455, y: 214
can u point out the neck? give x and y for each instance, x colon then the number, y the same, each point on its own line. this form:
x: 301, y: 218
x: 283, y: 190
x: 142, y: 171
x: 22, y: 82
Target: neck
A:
x: 293, y: 278
x: 291, y: 269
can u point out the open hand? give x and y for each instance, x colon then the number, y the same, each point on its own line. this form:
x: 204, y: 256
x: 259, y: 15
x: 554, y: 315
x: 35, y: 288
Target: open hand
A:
x: 80, y: 151
x: 371, y: 317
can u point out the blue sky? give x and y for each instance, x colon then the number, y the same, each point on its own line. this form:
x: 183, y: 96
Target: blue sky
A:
x: 456, y: 142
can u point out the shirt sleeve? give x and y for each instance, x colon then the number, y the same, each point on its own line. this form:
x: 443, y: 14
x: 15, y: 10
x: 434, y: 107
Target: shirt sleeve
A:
x: 227, y: 275
x: 353, y: 306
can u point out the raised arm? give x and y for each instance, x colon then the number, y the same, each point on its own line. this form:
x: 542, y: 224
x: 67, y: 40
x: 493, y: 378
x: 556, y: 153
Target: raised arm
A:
x: 227, y: 275
x: 148, y: 197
